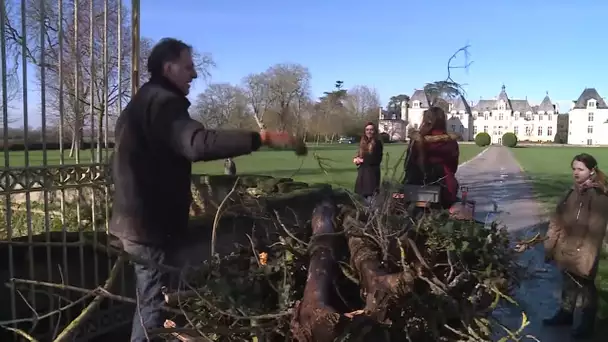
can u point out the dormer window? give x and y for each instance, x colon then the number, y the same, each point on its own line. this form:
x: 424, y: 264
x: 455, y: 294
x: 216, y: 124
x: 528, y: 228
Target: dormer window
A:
x: 591, y: 103
x: 416, y: 104
x: 450, y: 107
x: 501, y: 105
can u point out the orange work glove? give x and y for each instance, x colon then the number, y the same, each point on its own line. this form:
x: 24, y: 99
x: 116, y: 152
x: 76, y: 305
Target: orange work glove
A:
x: 277, y: 139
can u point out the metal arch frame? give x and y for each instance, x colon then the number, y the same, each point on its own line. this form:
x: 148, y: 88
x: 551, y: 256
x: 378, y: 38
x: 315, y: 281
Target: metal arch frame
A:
x: 24, y: 188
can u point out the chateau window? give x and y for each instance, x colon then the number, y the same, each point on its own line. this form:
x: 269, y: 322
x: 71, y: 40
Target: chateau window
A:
x: 500, y: 116
x: 416, y: 104
x: 590, y: 129
x: 591, y: 103
x: 474, y: 130
x: 589, y: 117
x: 516, y: 130
x: 540, y: 117
x: 550, y: 117
x: 549, y: 131
x: 540, y: 131
x: 485, y: 116
x: 485, y: 129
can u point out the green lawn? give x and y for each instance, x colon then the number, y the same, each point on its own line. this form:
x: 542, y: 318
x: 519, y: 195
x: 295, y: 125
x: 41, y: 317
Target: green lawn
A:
x: 549, y: 168
x: 335, y: 159
x: 550, y: 173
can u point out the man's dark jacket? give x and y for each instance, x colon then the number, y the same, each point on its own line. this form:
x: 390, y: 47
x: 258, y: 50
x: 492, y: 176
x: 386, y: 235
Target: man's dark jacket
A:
x: 156, y: 144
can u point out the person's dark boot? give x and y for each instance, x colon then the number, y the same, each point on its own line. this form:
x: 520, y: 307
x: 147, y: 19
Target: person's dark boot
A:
x: 561, y: 318
x: 586, y: 327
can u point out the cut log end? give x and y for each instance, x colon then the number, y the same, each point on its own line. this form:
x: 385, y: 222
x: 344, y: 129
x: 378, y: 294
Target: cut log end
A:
x: 380, y: 288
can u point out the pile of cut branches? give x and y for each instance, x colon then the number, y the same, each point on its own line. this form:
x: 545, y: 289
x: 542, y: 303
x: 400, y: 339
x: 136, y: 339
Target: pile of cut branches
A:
x: 350, y: 274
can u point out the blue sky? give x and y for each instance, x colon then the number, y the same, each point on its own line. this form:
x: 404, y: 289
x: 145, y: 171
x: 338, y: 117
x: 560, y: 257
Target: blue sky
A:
x: 532, y: 46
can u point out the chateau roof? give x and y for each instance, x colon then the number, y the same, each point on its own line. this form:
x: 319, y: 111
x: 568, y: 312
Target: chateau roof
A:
x: 588, y: 94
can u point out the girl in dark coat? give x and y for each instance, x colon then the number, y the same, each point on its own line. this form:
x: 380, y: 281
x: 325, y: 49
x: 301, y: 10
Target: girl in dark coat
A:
x: 368, y: 161
x: 574, y: 240
x: 433, y: 156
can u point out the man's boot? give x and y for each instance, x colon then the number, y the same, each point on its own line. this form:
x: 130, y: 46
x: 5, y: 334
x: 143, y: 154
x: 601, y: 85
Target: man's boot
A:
x: 561, y: 318
x: 585, y: 329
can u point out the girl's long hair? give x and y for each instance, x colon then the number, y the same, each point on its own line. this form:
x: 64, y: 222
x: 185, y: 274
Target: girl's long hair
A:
x: 367, y: 144
x: 433, y: 119
x: 590, y: 162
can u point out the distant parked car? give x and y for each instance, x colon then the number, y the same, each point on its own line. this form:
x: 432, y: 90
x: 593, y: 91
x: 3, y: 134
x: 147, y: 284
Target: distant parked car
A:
x: 346, y: 140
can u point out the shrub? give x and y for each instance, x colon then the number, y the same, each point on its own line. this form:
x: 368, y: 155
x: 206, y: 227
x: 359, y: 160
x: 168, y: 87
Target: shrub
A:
x: 19, y: 145
x: 561, y: 138
x: 509, y: 139
x: 385, y: 138
x: 483, y: 139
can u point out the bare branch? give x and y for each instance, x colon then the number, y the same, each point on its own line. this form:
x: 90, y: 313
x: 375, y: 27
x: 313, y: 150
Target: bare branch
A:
x: 448, y: 89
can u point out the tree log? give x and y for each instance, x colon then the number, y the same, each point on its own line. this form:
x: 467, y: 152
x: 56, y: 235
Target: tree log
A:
x: 314, y: 319
x: 379, y: 287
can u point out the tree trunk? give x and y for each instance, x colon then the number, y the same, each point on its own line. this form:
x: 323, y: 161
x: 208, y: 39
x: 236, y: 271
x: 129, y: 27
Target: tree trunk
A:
x: 100, y: 135
x: 314, y: 319
x: 73, y: 144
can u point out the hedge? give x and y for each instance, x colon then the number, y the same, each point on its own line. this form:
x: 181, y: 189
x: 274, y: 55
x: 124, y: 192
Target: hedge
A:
x: 483, y: 139
x: 50, y: 145
x: 509, y: 139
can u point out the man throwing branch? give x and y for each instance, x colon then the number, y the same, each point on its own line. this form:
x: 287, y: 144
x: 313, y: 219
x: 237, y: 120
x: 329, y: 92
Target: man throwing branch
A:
x: 156, y: 144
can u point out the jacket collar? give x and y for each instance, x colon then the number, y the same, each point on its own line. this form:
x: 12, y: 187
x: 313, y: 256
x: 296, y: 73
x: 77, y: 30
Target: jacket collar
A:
x: 165, y: 83
x: 435, y: 136
x: 588, y: 184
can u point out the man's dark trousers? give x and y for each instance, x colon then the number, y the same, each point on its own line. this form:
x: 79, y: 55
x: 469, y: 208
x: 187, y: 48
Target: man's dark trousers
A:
x: 149, y: 284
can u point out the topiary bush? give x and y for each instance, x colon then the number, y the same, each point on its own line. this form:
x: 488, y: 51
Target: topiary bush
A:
x: 385, y: 138
x: 483, y: 139
x: 509, y: 139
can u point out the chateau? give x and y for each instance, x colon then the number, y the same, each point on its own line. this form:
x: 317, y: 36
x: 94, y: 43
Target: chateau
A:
x: 497, y: 116
x: 588, y: 119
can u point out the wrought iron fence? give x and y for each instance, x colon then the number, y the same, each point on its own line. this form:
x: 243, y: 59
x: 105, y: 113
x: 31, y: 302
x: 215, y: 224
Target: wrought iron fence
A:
x: 67, y: 66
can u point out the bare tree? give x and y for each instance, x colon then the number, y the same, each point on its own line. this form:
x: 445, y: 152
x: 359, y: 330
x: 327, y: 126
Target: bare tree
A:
x: 10, y: 78
x: 362, y: 103
x: 223, y: 105
x: 278, y: 95
x: 83, y: 60
x: 13, y: 93
x: 289, y: 85
x: 257, y: 89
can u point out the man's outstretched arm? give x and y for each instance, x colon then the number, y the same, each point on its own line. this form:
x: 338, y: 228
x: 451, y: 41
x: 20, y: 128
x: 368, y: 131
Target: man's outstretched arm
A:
x: 172, y: 125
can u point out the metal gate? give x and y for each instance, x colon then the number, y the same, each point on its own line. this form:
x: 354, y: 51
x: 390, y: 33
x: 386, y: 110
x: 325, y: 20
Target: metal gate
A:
x: 68, y: 67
